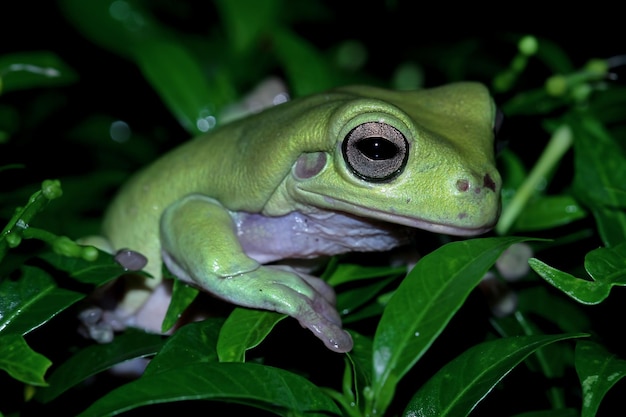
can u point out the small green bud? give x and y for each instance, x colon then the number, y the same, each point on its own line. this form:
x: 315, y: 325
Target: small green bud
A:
x: 13, y: 240
x: 51, y: 189
x: 528, y: 45
x: 89, y: 253
x: 556, y: 85
x: 597, y: 66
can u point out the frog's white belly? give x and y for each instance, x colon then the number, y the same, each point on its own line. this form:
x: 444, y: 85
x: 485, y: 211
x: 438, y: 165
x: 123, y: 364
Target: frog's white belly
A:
x: 304, y: 236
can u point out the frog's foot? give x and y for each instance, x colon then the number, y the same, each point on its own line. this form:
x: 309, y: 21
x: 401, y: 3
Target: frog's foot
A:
x: 322, y: 319
x: 303, y: 297
x: 318, y: 284
x: 315, y: 310
x: 98, y: 324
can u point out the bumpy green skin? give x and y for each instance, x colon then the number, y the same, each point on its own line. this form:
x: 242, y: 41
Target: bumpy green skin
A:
x: 289, y: 158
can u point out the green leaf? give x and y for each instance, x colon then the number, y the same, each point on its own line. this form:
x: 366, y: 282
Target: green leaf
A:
x: 24, y: 70
x: 558, y: 310
x: 243, y: 330
x: 96, y: 272
x: 176, y: 76
x: 460, y: 385
x: 600, y: 169
x: 182, y: 297
x: 21, y: 362
x: 192, y: 343
x: 97, y: 358
x: 31, y: 300
x: 598, y: 371
x: 117, y: 26
x: 306, y: 70
x: 245, y: 29
x: 600, y: 164
x: 360, y: 359
x: 563, y: 412
x: 607, y: 264
x: 356, y: 303
x: 256, y: 385
x: 424, y: 303
x: 611, y: 224
x: 549, y: 211
x: 607, y: 267
x: 346, y: 272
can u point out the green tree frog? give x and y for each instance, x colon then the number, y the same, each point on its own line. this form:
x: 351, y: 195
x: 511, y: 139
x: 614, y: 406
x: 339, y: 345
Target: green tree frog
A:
x: 352, y: 169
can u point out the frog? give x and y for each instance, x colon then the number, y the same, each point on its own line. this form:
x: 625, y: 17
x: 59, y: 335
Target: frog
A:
x: 358, y: 168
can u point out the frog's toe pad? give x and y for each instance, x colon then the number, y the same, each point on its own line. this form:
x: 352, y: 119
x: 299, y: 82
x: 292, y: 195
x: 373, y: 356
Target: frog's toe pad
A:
x: 323, y: 320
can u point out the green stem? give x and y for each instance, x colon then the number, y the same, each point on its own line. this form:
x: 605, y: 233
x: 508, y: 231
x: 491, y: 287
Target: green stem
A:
x: 560, y: 142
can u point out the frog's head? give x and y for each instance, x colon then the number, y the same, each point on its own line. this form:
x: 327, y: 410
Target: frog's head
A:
x: 424, y: 159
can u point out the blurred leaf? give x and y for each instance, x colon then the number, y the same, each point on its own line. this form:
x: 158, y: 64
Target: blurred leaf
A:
x: 246, y: 21
x: 256, y: 385
x: 563, y: 412
x: 115, y: 25
x: 460, y: 385
x: 423, y: 305
x: 598, y: 181
x: 178, y: 79
x: 546, y: 212
x: 600, y: 164
x: 611, y: 224
x: 192, y: 343
x: 531, y: 102
x: 598, y: 371
x: 244, y: 329
x: 31, y: 300
x: 607, y: 267
x: 307, y: 71
x: 21, y: 362
x: 24, y: 70
x: 555, y: 57
x: 97, y: 358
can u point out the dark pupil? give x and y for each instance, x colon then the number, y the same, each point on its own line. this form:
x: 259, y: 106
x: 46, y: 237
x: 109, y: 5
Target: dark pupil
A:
x: 377, y: 148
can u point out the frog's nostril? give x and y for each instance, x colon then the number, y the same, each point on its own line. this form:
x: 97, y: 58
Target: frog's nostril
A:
x: 462, y: 185
x: 488, y: 182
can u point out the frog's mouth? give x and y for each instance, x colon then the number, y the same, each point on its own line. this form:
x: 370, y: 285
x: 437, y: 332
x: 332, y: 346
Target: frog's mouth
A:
x: 446, y: 228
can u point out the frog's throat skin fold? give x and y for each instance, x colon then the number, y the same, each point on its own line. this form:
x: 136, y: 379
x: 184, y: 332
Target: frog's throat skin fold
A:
x: 330, y: 173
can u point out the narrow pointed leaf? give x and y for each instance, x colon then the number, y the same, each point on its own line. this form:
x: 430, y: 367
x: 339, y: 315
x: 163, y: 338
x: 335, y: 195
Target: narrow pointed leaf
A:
x: 461, y: 384
x: 182, y: 297
x: 243, y: 330
x: 423, y: 305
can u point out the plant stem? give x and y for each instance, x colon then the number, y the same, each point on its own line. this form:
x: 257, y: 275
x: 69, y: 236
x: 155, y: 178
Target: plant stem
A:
x: 559, y: 143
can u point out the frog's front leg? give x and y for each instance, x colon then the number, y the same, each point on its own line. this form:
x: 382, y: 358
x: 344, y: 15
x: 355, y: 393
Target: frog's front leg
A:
x: 200, y: 246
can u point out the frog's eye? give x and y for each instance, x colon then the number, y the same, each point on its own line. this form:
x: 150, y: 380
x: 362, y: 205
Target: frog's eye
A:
x: 375, y: 151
